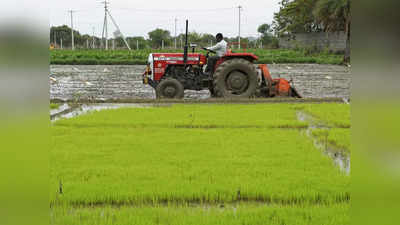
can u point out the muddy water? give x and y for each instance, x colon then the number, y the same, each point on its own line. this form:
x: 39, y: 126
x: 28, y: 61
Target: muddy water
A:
x: 104, y: 83
x: 339, y: 157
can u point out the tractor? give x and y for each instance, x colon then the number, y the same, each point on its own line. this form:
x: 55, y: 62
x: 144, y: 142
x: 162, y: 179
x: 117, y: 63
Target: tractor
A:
x: 235, y: 75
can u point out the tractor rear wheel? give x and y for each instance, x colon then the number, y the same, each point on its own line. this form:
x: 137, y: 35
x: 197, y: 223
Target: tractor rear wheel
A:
x: 235, y: 78
x: 170, y: 88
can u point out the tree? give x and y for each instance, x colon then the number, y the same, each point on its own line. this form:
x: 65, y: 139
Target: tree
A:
x: 64, y: 33
x: 133, y: 41
x: 267, y: 37
x: 335, y: 15
x: 194, y: 38
x: 206, y: 39
x: 299, y: 16
x: 157, y: 36
x: 203, y: 40
x: 295, y: 17
x: 264, y: 29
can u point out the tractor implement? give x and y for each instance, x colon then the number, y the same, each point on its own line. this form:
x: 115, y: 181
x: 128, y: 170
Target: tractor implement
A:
x: 235, y: 75
x: 275, y: 87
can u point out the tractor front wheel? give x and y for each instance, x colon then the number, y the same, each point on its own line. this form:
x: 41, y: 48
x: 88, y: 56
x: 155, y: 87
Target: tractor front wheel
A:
x: 235, y: 78
x: 170, y: 88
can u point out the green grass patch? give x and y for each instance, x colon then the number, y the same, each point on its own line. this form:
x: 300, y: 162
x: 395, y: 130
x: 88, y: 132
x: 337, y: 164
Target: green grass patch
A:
x: 229, y: 215
x: 131, y: 165
x: 139, y: 57
x: 338, y: 137
x: 194, y: 116
x: 330, y: 114
x: 125, y: 155
x: 54, y: 106
x: 180, y: 164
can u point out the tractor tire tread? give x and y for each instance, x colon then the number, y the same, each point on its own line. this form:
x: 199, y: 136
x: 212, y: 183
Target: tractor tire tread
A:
x: 222, y: 67
x: 180, y: 95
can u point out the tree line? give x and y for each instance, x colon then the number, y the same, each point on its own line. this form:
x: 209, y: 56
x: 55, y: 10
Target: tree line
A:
x: 303, y: 16
x: 294, y: 16
x: 158, y: 38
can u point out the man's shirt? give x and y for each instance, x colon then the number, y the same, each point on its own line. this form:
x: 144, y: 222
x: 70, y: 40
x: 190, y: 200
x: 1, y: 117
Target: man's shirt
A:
x: 220, y: 48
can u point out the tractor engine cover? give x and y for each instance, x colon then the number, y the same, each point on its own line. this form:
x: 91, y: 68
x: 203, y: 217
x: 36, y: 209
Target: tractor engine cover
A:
x: 160, y: 61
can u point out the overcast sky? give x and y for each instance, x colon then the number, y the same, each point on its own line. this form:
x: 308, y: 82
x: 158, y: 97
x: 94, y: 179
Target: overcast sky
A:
x: 137, y: 18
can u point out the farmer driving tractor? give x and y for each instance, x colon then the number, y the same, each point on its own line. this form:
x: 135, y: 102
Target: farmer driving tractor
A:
x: 220, y: 48
x: 236, y: 76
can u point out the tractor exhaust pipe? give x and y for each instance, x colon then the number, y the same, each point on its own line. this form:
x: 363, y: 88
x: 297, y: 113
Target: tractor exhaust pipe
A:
x: 186, y: 48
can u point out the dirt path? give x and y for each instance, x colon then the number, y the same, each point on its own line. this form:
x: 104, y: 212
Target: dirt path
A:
x: 102, y: 83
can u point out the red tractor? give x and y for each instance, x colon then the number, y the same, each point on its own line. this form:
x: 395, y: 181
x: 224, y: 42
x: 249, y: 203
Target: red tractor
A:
x: 234, y: 76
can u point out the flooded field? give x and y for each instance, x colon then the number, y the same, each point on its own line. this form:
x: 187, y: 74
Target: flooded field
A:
x: 104, y: 83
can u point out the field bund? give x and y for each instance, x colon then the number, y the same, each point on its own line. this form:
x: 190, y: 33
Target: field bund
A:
x: 123, y: 82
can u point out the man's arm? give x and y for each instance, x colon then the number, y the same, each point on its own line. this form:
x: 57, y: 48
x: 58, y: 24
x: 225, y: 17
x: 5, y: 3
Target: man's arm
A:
x: 215, y: 47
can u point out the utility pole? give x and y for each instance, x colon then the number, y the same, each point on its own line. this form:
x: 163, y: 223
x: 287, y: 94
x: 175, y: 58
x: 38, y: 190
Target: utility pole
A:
x: 119, y: 30
x: 93, y: 38
x: 72, y: 29
x: 55, y: 39
x: 162, y: 44
x: 137, y: 44
x: 61, y: 42
x: 113, y: 43
x: 105, y: 25
x: 87, y: 43
x: 176, y: 20
x: 240, y: 20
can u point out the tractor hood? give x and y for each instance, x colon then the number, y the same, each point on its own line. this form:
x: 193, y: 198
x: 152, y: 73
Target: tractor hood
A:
x: 175, y: 56
x: 159, y: 62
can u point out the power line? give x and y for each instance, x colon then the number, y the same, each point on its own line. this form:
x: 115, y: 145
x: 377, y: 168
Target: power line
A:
x: 174, y: 10
x: 107, y: 13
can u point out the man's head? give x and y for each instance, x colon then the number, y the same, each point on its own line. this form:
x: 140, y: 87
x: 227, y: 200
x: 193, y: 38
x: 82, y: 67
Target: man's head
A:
x: 219, y: 37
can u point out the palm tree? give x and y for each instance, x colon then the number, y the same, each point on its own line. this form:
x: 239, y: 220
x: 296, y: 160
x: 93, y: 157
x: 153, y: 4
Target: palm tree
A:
x: 335, y: 15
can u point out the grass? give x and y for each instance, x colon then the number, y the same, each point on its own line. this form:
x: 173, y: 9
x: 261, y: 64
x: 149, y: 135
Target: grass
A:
x: 192, y: 166
x: 54, y: 106
x: 178, y: 164
x: 139, y: 57
x: 337, y: 118
x: 194, y: 116
x: 229, y: 215
x: 338, y: 137
x: 334, y: 115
